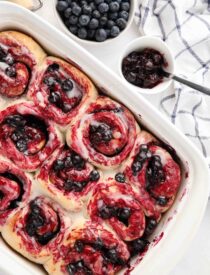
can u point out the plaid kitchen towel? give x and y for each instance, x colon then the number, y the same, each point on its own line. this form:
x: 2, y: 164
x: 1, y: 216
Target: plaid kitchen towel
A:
x: 185, y: 26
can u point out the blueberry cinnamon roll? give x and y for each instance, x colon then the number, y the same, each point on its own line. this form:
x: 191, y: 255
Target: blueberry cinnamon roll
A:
x: 89, y: 249
x: 25, y: 137
x: 61, y: 91
x: 105, y: 134
x: 152, y: 169
x: 36, y: 230
x: 67, y: 178
x: 15, y: 187
x: 19, y: 55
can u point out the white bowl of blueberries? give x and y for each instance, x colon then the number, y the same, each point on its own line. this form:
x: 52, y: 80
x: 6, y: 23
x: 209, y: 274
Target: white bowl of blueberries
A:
x: 94, y: 20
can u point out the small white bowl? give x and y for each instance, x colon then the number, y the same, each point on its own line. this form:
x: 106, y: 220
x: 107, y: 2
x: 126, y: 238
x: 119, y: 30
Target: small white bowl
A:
x: 89, y: 42
x: 156, y: 44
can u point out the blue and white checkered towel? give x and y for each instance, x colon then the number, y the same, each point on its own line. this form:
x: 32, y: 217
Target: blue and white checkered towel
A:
x: 185, y: 26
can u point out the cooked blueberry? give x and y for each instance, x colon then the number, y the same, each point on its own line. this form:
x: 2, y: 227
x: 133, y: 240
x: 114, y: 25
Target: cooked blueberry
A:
x: 105, y: 212
x: 84, y: 20
x: 68, y: 162
x: 136, y: 167
x: 120, y: 177
x: 1, y: 195
x: 86, y: 9
x: 138, y: 246
x: 77, y: 161
x: 54, y: 97
x: 98, y: 245
x: 79, y: 246
x: 3, y: 54
x: 70, y: 185
x: 100, y: 133
x: 53, y: 67
x: 8, y: 59
x: 67, y: 12
x: 114, y: 6
x: 15, y: 120
x: 125, y: 6
x: 124, y: 214
x: 96, y: 14
x: 61, y: 6
x: 94, y: 175
x: 66, y: 107
x: 112, y: 255
x: 76, y: 10
x: 49, y: 81
x: 121, y: 23
x: 58, y: 165
x: 73, y: 29
x: 103, y: 7
x: 17, y: 134
x: 21, y: 145
x: 150, y: 226
x: 113, y: 16
x: 124, y: 15
x: 115, y: 31
x: 10, y: 71
x: 161, y: 200
x: 73, y: 19
x: 67, y: 85
x: 71, y: 269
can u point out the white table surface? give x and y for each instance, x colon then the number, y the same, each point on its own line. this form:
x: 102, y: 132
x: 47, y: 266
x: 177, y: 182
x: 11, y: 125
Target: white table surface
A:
x: 197, y: 260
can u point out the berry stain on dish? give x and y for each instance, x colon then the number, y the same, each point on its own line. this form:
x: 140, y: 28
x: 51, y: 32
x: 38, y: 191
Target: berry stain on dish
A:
x: 96, y: 20
x: 144, y: 68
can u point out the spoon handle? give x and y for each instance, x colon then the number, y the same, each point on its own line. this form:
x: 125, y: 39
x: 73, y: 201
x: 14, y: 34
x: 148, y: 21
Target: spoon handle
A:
x: 193, y: 85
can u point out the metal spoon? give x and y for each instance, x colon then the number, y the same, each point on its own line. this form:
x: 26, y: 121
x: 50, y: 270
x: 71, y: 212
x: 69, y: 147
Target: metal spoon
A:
x: 193, y: 85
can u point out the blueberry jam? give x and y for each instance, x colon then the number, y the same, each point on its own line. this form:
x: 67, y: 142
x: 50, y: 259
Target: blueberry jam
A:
x: 10, y: 176
x: 28, y: 132
x: 144, y: 68
x: 35, y: 221
x: 95, y: 20
x: 122, y: 214
x: 100, y: 133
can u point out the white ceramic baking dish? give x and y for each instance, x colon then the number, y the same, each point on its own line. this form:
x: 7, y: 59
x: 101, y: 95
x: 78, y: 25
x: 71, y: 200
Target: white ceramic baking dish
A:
x: 180, y: 223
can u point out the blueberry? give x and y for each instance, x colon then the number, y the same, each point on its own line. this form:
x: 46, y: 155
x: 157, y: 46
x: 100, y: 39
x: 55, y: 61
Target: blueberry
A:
x: 100, y: 35
x: 73, y: 29
x: 66, y: 107
x: 125, y: 6
x: 150, y: 226
x: 49, y: 81
x: 113, y: 15
x: 70, y: 185
x: 73, y: 20
x: 93, y: 24
x: 68, y: 162
x: 18, y: 134
x: 124, y: 15
x: 105, y: 212
x: 53, y: 67
x: 121, y: 23
x: 108, y: 32
x: 99, y: 2
x: 86, y: 9
x: 15, y: 121
x: 112, y: 255
x: 96, y: 14
x: 76, y: 10
x: 136, y: 167
x: 54, y: 97
x: 21, y: 145
x: 8, y: 59
x: 124, y: 213
x: 10, y: 71
x: 138, y: 246
x: 67, y: 85
x: 92, y: 5
x: 71, y: 269
x: 100, y: 133
x: 115, y: 31
x: 79, y: 246
x: 94, y: 175
x: 84, y: 21
x: 120, y: 177
x: 110, y: 24
x: 3, y: 54
x: 82, y: 33
x: 161, y: 200
x: 103, y: 21
x: 77, y: 161
x: 58, y: 165
x: 114, y: 6
x: 103, y: 7
x: 98, y: 245
x: 61, y: 6
x: 67, y: 12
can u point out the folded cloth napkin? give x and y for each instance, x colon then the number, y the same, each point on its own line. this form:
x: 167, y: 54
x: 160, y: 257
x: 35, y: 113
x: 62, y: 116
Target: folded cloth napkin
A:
x: 185, y: 27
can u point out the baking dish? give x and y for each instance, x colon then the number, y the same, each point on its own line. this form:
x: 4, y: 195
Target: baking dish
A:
x: 178, y: 226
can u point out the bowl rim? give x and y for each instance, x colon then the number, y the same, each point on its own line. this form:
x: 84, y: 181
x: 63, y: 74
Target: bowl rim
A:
x: 89, y: 42
x: 154, y: 40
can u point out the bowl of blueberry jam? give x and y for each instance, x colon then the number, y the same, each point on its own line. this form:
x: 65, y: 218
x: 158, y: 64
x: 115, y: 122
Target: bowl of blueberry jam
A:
x: 142, y: 64
x: 94, y: 21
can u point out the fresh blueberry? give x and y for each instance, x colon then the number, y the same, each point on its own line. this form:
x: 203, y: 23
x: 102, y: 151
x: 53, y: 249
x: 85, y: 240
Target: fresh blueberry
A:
x: 67, y: 12
x: 86, y: 9
x: 103, y: 21
x: 73, y: 29
x: 100, y: 35
x: 93, y: 24
x: 103, y: 7
x: 61, y: 6
x: 82, y: 33
x: 91, y: 34
x: 10, y: 71
x: 94, y: 175
x: 92, y: 5
x: 84, y: 21
x: 73, y: 20
x: 76, y: 10
x: 96, y: 14
x: 125, y: 6
x: 113, y: 16
x: 124, y: 15
x: 121, y: 23
x: 115, y: 31
x: 114, y: 6
x: 99, y: 2
x: 110, y: 24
